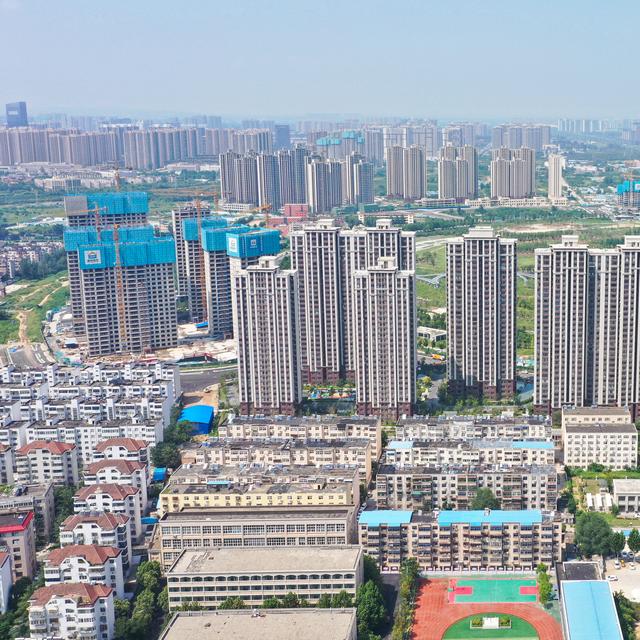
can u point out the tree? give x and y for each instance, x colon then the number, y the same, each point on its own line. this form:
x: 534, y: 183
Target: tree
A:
x: 371, y: 610
x: 63, y: 506
x: 292, y: 601
x: 273, y: 603
x: 163, y: 601
x: 484, y: 499
x: 627, y: 614
x: 544, y: 584
x: 634, y: 541
x: 232, y: 603
x: 190, y: 606
x: 618, y: 542
x: 149, y: 575
x: 593, y: 534
x: 165, y: 455
x: 371, y: 570
x: 342, y: 600
x: 324, y: 602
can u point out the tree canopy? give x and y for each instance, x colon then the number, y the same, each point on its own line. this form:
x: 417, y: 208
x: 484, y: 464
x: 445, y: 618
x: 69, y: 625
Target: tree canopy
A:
x: 593, y: 534
x: 484, y: 499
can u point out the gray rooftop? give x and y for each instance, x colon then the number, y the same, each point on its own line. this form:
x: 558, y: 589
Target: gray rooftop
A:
x: 626, y: 485
x: 231, y: 560
x: 597, y: 428
x: 283, y: 624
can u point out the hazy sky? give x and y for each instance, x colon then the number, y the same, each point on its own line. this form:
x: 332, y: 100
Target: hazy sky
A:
x: 455, y: 58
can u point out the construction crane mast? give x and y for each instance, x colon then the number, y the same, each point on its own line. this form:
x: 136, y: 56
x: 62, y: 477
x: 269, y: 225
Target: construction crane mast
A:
x: 203, y: 288
x: 122, y: 323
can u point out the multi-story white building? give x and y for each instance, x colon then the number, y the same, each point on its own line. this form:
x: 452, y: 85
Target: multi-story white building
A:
x: 267, y: 328
x: 6, y: 464
x: 513, y: 173
x: 291, y: 526
x: 324, y: 427
x: 602, y: 435
x: 6, y: 581
x: 385, y: 350
x: 88, y: 563
x: 43, y: 461
x: 555, y: 165
x: 454, y: 486
x: 406, y: 172
x: 463, y: 540
x: 481, y: 312
x: 99, y: 528
x: 263, y: 572
x: 122, y: 472
x: 112, y: 498
x: 232, y: 451
x: 587, y: 329
x: 70, y: 610
x: 124, y: 449
x: 89, y: 435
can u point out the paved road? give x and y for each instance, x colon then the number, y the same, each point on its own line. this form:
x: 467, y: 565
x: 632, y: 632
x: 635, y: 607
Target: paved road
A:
x: 198, y: 380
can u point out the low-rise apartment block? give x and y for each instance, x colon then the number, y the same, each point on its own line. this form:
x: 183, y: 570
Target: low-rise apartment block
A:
x: 32, y: 497
x: 69, y: 610
x: 476, y: 452
x: 299, y: 526
x: 462, y: 540
x: 455, y: 486
x: 124, y: 449
x: 270, y: 451
x: 455, y: 427
x: 210, y: 577
x: 43, y: 461
x: 17, y: 534
x: 112, y: 498
x: 260, y: 486
x: 309, y: 427
x: 99, y: 528
x: 284, y: 624
x: 87, y: 563
x: 603, y: 435
x: 122, y: 472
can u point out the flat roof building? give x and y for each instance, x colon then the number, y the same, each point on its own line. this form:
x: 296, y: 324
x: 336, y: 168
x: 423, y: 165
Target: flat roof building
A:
x: 283, y: 624
x: 210, y: 577
x: 589, y: 611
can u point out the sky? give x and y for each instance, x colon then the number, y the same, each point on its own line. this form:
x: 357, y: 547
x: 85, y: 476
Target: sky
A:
x: 489, y: 59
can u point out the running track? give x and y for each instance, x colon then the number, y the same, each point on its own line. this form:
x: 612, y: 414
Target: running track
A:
x: 434, y: 615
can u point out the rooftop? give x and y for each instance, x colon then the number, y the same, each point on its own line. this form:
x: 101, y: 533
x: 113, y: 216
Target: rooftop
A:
x: 123, y: 466
x: 14, y: 522
x: 626, y: 485
x: 80, y: 592
x: 127, y: 443
x: 104, y: 520
x: 230, y: 560
x: 117, y: 491
x: 284, y: 624
x: 590, y: 611
x: 251, y: 513
x: 388, y: 517
x: 51, y: 446
x: 579, y: 571
x: 490, y: 517
x: 92, y: 553
x: 595, y: 428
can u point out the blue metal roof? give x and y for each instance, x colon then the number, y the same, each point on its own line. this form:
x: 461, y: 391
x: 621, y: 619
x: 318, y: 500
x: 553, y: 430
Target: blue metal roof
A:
x: 159, y: 474
x: 400, y: 444
x: 590, y: 611
x: 493, y: 517
x: 199, y: 413
x: 389, y: 517
x: 532, y: 444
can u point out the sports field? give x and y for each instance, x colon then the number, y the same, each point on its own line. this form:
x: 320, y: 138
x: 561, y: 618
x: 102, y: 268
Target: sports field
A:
x: 498, y: 590
x: 520, y: 630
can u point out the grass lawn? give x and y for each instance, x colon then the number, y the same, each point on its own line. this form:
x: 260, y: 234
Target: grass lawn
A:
x: 520, y: 630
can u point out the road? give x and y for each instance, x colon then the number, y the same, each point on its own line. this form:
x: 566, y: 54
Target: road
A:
x: 197, y: 380
x: 32, y: 356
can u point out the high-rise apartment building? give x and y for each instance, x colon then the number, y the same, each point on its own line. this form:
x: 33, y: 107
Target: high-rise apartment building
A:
x: 266, y: 326
x: 101, y: 211
x: 458, y: 172
x: 269, y: 182
x: 281, y: 136
x: 587, y: 325
x: 385, y: 351
x: 239, y: 178
x: 514, y: 136
x: 324, y: 184
x: 555, y: 164
x: 406, y: 172
x: 228, y: 250
x: 17, y: 114
x: 126, y: 285
x: 315, y: 255
x: 481, y: 313
x: 357, y: 176
x: 513, y: 173
x: 186, y: 211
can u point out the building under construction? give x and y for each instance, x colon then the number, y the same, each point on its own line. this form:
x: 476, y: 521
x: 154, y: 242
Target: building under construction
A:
x: 127, y: 288
x: 102, y: 211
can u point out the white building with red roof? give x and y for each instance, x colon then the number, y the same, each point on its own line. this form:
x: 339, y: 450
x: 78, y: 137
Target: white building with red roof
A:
x: 88, y: 563
x: 72, y: 610
x: 123, y: 449
x: 112, y: 498
x: 119, y: 471
x: 98, y: 527
x: 43, y: 461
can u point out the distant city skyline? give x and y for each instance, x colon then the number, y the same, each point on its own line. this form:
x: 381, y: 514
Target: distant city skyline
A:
x: 498, y: 60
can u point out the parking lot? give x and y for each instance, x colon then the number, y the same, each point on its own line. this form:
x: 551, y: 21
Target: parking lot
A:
x: 628, y: 579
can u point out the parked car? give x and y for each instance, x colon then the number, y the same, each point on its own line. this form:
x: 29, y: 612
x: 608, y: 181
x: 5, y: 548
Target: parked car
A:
x: 612, y: 578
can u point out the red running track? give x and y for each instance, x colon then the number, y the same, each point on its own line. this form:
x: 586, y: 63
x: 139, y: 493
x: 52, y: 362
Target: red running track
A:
x: 434, y: 615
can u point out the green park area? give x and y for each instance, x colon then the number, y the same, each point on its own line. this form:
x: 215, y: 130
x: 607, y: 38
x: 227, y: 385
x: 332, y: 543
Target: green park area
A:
x: 518, y: 629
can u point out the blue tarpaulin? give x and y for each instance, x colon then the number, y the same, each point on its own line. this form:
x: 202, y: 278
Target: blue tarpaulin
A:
x: 159, y: 474
x: 200, y: 415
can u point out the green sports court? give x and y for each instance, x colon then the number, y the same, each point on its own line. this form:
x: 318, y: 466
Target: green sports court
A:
x: 464, y: 591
